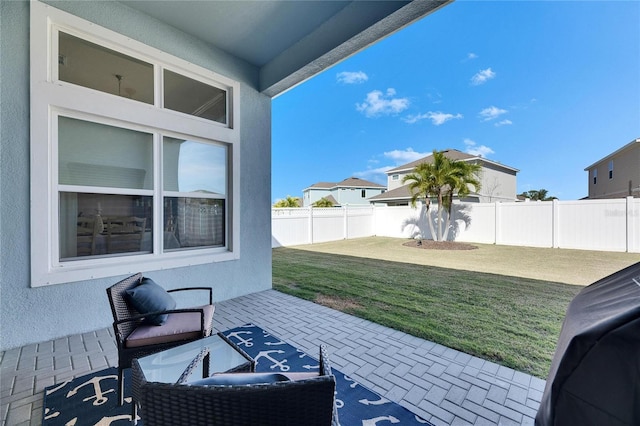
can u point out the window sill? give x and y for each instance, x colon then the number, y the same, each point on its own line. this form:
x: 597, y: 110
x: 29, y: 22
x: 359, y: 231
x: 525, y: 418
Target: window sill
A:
x: 82, y: 270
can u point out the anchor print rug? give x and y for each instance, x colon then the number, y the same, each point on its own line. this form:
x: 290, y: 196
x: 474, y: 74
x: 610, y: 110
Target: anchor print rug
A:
x: 91, y: 399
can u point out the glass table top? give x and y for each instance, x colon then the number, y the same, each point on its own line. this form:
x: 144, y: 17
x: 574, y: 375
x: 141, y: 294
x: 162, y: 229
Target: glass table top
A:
x: 169, y: 365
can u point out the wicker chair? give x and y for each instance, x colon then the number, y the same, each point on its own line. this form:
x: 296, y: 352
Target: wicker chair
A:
x: 128, y: 323
x: 309, y: 401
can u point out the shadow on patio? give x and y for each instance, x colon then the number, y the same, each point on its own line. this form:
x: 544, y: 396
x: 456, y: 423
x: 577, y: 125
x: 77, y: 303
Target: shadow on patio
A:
x: 442, y: 385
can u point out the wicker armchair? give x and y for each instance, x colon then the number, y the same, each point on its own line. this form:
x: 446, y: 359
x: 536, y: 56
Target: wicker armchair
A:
x: 182, y: 325
x: 308, y: 401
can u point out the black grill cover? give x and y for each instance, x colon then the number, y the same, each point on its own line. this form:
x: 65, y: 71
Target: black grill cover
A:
x: 595, y: 373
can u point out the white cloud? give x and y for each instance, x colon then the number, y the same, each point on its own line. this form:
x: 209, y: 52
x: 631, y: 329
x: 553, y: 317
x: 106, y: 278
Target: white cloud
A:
x: 482, y: 77
x: 404, y: 156
x: 397, y: 156
x: 471, y: 55
x: 378, y: 175
x: 437, y: 118
x: 491, y: 113
x: 479, y: 150
x: 351, y: 77
x: 503, y: 123
x: 378, y: 103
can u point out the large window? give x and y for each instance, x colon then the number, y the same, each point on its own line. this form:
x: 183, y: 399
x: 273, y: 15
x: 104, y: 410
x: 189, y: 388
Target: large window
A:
x: 134, y: 158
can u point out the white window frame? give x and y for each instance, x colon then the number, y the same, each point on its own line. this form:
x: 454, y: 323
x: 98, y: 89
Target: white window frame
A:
x: 51, y: 97
x: 610, y: 169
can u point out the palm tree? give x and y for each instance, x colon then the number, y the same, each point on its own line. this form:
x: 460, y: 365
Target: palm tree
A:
x: 288, y: 202
x: 323, y: 202
x: 538, y: 195
x: 464, y: 176
x: 442, y: 178
x: 422, y: 187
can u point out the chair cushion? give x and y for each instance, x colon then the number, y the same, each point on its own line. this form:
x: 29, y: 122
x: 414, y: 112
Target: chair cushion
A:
x: 240, y: 379
x: 179, y: 326
x: 150, y: 297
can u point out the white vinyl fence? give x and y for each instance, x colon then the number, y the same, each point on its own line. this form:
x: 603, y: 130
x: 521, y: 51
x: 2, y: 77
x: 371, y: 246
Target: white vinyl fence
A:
x: 605, y: 225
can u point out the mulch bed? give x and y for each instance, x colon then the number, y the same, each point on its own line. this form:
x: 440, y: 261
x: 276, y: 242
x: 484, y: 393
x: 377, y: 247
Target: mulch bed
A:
x: 439, y: 245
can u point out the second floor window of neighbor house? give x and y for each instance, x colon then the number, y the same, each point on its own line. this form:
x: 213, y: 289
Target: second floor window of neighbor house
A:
x: 595, y: 176
x: 363, y: 193
x: 141, y: 145
x: 611, y: 169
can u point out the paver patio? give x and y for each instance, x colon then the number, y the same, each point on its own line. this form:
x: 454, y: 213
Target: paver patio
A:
x: 445, y: 386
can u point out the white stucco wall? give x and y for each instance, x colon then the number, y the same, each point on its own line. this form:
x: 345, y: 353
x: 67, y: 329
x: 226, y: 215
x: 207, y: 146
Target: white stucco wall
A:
x: 29, y: 315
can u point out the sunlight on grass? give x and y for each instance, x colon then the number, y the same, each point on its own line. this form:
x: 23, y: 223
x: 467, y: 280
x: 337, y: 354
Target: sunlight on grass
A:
x: 508, y: 320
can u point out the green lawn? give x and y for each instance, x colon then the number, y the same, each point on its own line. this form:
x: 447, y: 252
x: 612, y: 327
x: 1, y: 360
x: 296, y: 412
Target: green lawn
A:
x: 510, y: 320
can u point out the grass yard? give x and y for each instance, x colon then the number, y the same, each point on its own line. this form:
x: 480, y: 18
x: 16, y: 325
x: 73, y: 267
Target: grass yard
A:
x: 511, y: 320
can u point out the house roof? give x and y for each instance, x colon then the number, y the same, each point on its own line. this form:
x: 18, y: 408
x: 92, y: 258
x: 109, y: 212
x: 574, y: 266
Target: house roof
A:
x: 401, y: 193
x: 616, y: 152
x: 351, y: 182
x: 452, y: 154
x: 288, y: 41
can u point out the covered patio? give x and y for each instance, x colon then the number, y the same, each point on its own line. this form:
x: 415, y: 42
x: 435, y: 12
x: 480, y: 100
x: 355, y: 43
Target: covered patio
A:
x: 442, y: 385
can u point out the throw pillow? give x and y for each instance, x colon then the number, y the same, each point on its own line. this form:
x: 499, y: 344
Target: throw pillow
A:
x: 150, y: 297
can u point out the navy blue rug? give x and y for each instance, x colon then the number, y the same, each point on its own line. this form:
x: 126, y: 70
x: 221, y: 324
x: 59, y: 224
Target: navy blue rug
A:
x: 91, y: 399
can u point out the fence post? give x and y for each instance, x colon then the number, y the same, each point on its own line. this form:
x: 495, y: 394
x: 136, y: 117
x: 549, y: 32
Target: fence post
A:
x: 629, y: 223
x: 310, y: 224
x: 345, y: 224
x: 497, y: 237
x: 555, y: 224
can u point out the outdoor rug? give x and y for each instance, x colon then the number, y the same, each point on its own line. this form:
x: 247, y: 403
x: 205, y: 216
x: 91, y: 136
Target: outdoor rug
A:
x: 91, y: 399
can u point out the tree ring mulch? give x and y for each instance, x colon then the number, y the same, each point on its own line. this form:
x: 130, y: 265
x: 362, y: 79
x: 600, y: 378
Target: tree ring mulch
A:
x: 439, y: 245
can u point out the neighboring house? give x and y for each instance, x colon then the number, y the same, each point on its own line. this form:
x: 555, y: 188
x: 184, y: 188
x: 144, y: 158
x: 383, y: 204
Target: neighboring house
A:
x: 107, y: 109
x: 351, y: 191
x: 617, y: 175
x: 498, y: 182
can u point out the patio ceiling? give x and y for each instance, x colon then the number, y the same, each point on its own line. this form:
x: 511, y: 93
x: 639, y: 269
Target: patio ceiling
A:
x: 289, y: 41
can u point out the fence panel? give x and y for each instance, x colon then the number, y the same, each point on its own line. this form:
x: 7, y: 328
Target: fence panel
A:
x: 360, y: 222
x: 328, y: 224
x: 289, y: 227
x: 608, y: 225
x: 475, y: 223
x: 398, y: 222
x: 593, y: 225
x: 525, y: 224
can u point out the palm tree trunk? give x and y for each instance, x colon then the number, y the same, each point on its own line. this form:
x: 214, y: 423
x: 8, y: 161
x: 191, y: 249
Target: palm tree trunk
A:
x: 439, y: 216
x: 447, y: 225
x: 427, y: 214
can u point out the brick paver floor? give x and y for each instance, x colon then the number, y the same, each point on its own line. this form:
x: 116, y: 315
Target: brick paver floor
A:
x: 440, y: 384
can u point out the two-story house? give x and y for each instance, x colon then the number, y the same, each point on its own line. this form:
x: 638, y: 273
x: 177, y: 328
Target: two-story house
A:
x: 351, y: 191
x: 616, y: 175
x: 498, y: 181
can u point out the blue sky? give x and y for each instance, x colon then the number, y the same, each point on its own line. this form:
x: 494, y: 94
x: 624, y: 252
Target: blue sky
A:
x: 546, y: 87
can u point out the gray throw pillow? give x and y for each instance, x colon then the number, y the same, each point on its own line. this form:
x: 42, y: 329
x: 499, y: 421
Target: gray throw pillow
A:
x: 149, y: 297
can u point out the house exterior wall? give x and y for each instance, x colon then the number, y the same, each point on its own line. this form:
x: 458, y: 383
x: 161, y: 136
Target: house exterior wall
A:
x: 626, y: 174
x: 29, y: 315
x: 353, y: 196
x: 497, y: 184
x: 343, y: 195
x: 312, y: 195
x: 394, y: 180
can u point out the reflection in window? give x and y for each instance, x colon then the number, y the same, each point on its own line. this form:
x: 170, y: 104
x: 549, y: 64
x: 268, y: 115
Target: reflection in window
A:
x: 194, y: 167
x: 193, y: 222
x: 100, y: 224
x: 184, y: 94
x: 90, y: 65
x: 92, y: 154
